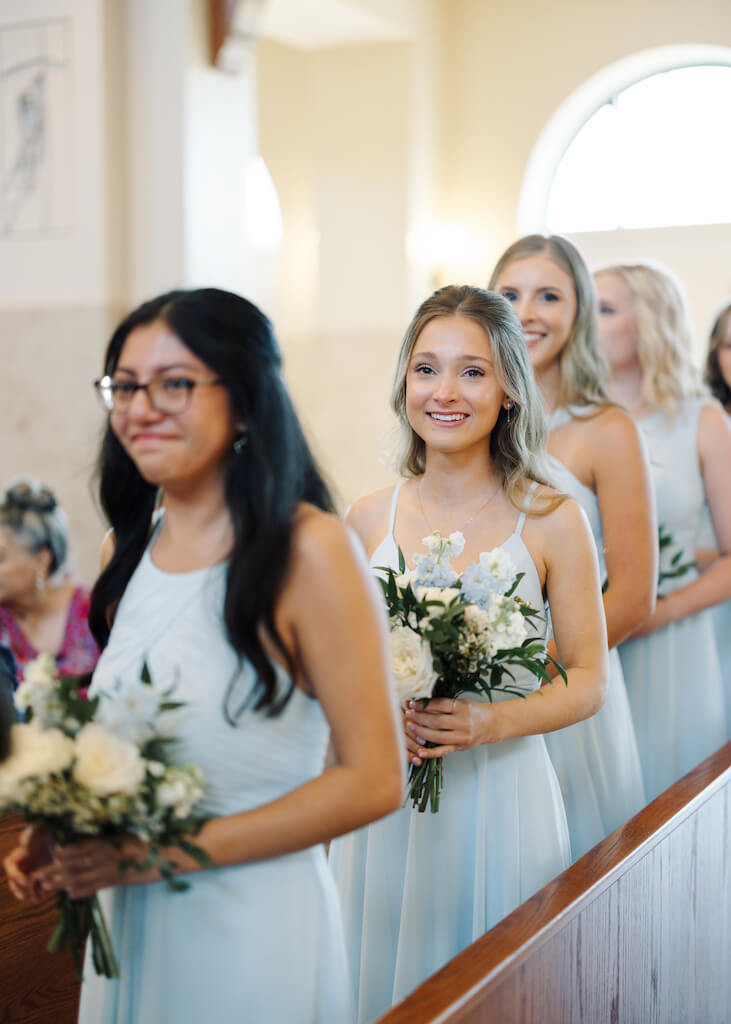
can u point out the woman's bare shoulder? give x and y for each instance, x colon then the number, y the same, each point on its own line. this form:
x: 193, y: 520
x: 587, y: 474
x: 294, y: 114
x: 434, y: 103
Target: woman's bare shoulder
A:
x: 369, y: 516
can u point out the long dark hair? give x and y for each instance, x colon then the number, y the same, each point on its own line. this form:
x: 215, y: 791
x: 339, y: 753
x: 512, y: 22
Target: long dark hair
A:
x: 713, y: 376
x: 263, y: 484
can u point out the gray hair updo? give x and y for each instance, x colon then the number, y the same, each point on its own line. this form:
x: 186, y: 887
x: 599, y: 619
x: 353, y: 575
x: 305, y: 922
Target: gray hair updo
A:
x: 31, y: 511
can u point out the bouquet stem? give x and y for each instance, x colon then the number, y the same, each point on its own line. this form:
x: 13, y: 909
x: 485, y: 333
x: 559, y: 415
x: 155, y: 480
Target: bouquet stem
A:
x: 425, y: 784
x: 79, y: 919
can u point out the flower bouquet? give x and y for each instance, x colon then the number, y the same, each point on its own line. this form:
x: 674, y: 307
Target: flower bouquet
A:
x: 453, y: 634
x: 98, y: 767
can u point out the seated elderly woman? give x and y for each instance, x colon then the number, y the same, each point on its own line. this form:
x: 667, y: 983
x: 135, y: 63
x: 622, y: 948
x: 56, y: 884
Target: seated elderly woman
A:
x: 40, y: 610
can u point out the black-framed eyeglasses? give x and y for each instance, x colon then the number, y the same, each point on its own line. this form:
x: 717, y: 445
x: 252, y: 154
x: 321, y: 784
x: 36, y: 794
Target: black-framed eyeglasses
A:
x: 168, y: 392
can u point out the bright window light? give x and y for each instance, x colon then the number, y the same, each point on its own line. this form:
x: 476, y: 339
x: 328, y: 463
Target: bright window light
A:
x: 656, y: 154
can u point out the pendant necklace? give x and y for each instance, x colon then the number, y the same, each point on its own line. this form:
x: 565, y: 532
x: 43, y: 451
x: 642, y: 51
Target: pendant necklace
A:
x: 467, y: 522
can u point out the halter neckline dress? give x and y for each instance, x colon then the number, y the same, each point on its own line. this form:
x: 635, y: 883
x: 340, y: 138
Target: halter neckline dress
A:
x: 254, y: 942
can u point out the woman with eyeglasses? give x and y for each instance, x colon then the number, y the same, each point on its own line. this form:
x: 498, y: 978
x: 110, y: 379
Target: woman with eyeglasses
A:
x: 254, y: 606
x: 40, y: 609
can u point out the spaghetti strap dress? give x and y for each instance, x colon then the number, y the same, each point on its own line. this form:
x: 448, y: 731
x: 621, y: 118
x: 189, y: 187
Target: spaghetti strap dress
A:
x: 673, y: 675
x: 597, y: 761
x: 721, y: 617
x: 417, y: 888
x: 258, y: 942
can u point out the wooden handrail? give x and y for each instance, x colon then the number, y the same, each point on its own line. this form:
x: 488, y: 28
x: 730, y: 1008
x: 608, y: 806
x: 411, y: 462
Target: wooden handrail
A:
x: 581, y: 946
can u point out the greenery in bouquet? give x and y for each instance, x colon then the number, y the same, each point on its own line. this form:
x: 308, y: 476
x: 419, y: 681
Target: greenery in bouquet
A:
x: 674, y: 567
x: 99, y: 767
x: 452, y: 635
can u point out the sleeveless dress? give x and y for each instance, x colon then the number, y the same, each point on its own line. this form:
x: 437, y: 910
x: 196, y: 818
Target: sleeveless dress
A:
x: 79, y: 652
x: 416, y: 889
x: 259, y: 942
x: 721, y: 617
x: 596, y: 761
x: 673, y: 675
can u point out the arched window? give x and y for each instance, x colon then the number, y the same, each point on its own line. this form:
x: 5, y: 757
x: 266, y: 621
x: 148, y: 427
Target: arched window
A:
x: 656, y: 153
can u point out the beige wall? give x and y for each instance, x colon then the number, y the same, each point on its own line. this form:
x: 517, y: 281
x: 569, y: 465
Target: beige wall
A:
x: 509, y: 66
x: 370, y: 147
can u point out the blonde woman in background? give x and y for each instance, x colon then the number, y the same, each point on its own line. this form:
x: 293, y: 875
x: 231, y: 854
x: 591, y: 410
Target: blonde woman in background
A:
x: 596, y: 455
x: 418, y: 888
x: 718, y: 378
x: 671, y: 663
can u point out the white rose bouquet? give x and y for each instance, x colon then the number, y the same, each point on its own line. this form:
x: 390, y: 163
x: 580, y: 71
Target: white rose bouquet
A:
x: 100, y: 768
x: 452, y: 635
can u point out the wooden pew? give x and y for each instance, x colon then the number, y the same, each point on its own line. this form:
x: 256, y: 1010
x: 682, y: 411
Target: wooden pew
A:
x: 636, y: 932
x: 36, y: 987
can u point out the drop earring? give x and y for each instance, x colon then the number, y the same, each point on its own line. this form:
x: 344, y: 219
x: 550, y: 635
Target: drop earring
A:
x: 240, y: 444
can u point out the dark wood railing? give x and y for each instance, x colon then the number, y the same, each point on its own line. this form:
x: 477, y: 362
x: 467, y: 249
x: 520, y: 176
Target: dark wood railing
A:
x: 638, y: 930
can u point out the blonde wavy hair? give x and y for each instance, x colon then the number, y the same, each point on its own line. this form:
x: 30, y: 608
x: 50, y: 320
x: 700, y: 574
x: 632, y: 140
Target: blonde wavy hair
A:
x: 517, y: 442
x: 584, y: 369
x: 664, y: 339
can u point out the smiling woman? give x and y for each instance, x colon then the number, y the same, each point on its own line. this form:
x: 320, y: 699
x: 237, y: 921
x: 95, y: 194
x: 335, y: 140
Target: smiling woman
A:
x: 596, y: 456
x: 417, y: 888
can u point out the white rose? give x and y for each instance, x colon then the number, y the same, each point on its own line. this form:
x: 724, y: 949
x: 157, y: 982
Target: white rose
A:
x: 34, y: 753
x: 413, y: 669
x: 476, y: 617
x: 443, y: 594
x: 106, y: 763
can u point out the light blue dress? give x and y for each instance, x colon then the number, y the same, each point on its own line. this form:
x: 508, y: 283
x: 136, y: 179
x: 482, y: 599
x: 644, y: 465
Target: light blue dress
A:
x: 597, y: 761
x: 260, y: 942
x: 721, y: 617
x: 673, y: 675
x: 416, y: 889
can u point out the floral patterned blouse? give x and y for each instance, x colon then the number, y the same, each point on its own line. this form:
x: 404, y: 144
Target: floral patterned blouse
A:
x: 79, y: 652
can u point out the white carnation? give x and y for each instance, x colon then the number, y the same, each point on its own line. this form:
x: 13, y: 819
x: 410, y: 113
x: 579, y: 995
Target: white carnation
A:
x: 106, y: 763
x: 412, y: 663
x: 35, y: 753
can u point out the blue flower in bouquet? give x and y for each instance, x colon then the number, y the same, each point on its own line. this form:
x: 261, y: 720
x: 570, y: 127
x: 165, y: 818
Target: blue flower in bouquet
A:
x: 493, y: 575
x: 434, y: 569
x: 429, y: 572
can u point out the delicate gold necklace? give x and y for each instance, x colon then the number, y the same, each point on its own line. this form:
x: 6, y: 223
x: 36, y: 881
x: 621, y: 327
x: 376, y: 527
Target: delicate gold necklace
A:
x: 467, y: 522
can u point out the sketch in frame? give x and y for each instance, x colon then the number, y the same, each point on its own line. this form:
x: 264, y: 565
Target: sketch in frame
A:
x: 35, y: 129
